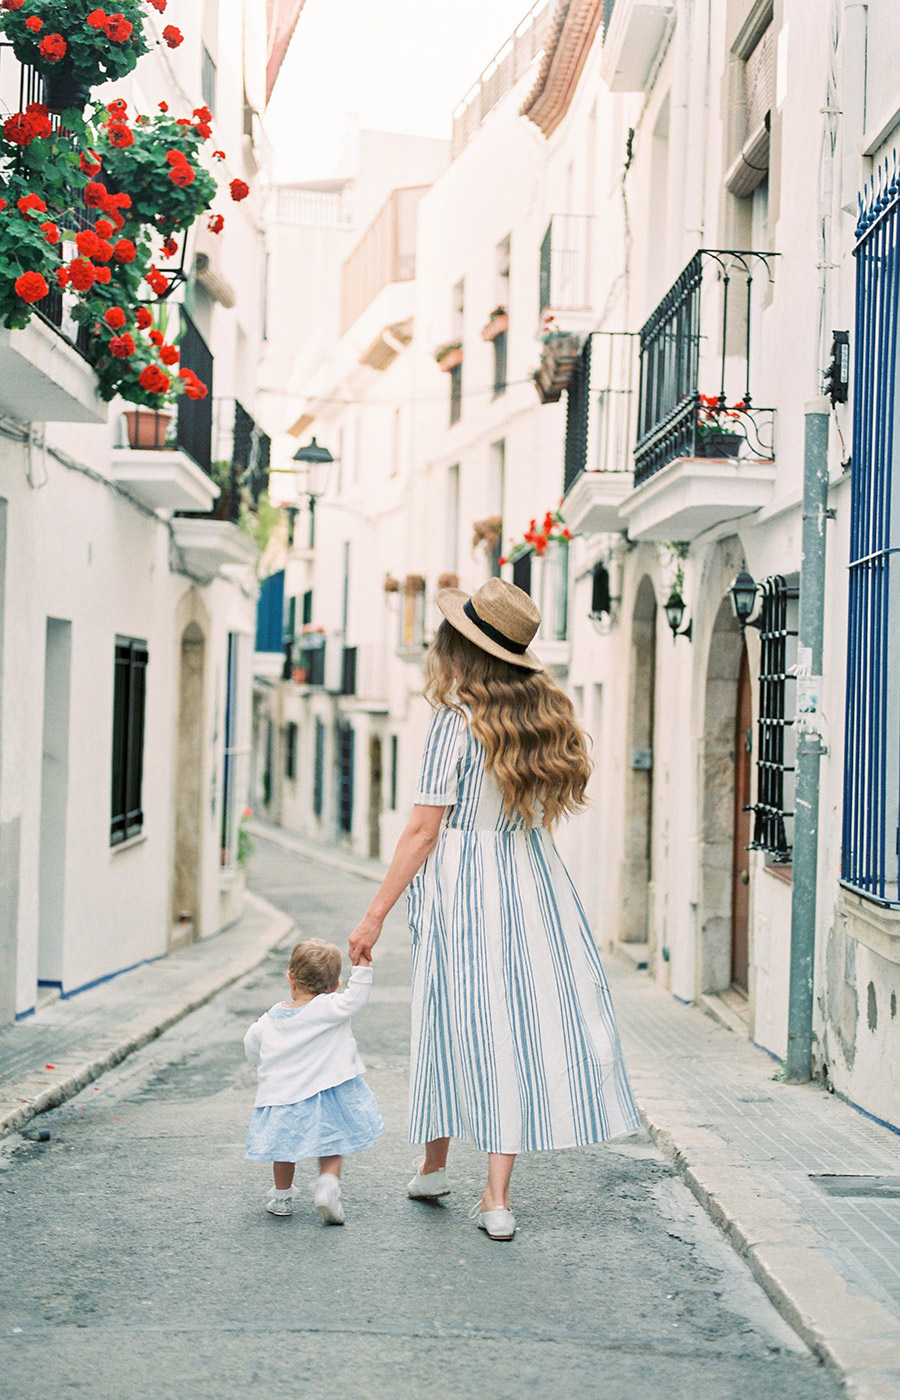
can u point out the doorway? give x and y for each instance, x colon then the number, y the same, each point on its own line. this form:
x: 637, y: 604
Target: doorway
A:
x: 54, y: 804
x: 636, y: 921
x: 740, y: 865
x: 187, y: 871
x: 376, y: 796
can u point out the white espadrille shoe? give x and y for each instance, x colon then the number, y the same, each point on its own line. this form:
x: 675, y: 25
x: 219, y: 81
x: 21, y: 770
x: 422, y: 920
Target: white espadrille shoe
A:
x: 499, y: 1224
x: 280, y: 1203
x: 327, y: 1199
x: 430, y: 1186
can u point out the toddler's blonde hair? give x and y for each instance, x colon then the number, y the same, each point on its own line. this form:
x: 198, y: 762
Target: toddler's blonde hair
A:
x: 315, y: 966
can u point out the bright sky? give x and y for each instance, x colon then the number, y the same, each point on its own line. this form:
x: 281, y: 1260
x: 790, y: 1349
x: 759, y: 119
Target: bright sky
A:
x: 391, y: 65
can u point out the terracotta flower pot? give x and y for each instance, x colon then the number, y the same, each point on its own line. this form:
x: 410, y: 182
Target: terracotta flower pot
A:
x: 450, y: 360
x: 147, y: 429
x: 495, y: 326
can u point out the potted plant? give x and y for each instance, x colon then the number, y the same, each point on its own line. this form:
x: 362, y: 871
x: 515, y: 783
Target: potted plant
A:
x: 148, y: 428
x: 497, y: 324
x: 75, y: 45
x: 716, y: 437
x: 413, y: 584
x: 391, y: 584
x: 449, y: 356
x: 448, y: 580
x: 552, y: 530
x: 487, y: 533
x: 157, y: 161
x: 298, y: 675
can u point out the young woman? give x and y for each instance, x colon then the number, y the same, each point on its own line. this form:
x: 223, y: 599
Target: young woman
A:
x: 514, y: 1040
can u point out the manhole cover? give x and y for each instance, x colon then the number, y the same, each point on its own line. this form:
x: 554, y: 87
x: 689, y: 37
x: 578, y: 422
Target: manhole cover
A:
x: 884, y: 1187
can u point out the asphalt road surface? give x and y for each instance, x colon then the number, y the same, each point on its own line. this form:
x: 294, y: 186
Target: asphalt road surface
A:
x: 137, y: 1262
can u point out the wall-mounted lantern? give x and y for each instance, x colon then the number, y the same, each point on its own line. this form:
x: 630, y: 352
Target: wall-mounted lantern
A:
x: 673, y: 608
x: 742, y: 594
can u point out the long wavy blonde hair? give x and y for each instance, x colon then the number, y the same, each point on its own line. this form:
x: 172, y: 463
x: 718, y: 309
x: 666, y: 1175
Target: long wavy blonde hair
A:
x: 536, y: 749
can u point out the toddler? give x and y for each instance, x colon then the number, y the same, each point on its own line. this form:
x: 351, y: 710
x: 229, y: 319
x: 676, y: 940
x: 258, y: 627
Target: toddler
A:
x: 312, y: 1100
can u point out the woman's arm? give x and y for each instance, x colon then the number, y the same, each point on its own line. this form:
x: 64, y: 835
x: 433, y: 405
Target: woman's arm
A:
x: 418, y: 840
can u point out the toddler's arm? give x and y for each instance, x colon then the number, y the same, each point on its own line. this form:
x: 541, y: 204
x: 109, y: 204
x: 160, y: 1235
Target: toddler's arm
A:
x: 252, y: 1041
x: 347, y: 1003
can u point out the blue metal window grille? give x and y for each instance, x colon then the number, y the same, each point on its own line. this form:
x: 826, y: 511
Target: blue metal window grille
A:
x: 128, y: 739
x: 270, y: 613
x: 869, y: 854
x: 773, y: 824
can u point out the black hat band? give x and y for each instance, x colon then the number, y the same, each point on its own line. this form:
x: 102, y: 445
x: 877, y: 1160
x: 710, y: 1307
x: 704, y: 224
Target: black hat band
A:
x: 495, y: 635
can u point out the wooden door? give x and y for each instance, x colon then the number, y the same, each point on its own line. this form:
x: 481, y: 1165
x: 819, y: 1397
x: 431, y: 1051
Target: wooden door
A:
x: 740, y: 879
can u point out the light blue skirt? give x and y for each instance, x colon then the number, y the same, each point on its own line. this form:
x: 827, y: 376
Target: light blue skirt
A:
x: 333, y: 1123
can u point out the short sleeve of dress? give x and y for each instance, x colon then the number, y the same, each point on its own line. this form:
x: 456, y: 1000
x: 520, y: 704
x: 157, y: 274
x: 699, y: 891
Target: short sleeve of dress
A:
x: 439, y: 774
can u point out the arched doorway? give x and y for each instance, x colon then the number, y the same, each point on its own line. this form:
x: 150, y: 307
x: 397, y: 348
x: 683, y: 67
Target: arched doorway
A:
x: 637, y: 874
x: 725, y: 829
x: 188, y: 855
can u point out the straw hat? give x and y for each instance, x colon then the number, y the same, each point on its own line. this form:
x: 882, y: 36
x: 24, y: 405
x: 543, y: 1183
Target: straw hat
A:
x: 498, y: 617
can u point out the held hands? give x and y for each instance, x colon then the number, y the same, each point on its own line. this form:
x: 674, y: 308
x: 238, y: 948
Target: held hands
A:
x: 363, y: 939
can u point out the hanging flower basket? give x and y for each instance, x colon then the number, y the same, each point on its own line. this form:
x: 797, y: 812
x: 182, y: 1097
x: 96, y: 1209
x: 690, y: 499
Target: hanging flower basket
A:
x: 487, y: 533
x: 64, y: 91
x: 448, y: 581
x: 498, y: 324
x: 559, y: 353
x: 147, y: 429
x: 413, y: 584
x: 449, y: 356
x: 391, y: 584
x: 75, y: 45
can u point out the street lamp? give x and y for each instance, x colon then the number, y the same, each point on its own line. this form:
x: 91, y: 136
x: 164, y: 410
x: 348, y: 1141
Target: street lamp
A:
x: 316, y: 462
x: 673, y: 608
x: 742, y: 594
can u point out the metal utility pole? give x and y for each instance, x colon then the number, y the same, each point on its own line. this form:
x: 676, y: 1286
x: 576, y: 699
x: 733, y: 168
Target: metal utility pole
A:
x: 798, y: 1065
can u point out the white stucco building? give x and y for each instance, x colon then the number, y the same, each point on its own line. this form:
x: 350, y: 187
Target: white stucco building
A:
x: 658, y: 203
x: 127, y: 587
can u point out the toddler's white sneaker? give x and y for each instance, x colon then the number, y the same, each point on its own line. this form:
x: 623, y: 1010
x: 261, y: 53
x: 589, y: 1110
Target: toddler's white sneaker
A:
x: 280, y: 1203
x: 327, y: 1198
x: 429, y: 1187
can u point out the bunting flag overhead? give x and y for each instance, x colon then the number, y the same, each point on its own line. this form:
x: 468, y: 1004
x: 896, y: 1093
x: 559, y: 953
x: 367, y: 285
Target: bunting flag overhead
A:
x: 281, y: 17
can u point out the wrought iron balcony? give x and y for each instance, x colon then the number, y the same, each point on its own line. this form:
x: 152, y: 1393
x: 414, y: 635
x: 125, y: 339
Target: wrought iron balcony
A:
x: 599, y: 428
x: 700, y: 337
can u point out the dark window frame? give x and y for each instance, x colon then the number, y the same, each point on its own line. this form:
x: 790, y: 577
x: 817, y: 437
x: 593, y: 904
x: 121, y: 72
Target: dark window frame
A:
x: 318, y: 775
x: 455, y: 377
x: 775, y: 727
x: 291, y: 732
x: 129, y: 713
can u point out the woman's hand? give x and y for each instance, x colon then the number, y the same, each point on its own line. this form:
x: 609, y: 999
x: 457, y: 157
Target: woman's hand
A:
x: 363, y: 939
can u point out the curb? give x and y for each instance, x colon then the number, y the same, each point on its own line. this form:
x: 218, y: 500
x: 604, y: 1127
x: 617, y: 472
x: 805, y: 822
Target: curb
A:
x: 851, y: 1332
x: 139, y: 1032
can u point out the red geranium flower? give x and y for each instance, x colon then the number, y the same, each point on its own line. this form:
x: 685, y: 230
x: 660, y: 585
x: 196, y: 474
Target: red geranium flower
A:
x: 170, y: 247
x: 157, y: 281
x: 218, y: 155
x: 17, y: 129
x: 175, y: 157
x: 34, y: 24
x: 96, y: 19
x: 103, y: 275
x: 95, y: 195
x: 120, y: 134
x: 203, y: 114
x: 53, y: 48
x: 83, y: 274
x: 31, y: 286
x: 89, y: 162
x: 196, y: 389
x: 182, y: 175
x: 239, y: 190
x: 62, y: 277
x: 118, y: 107
x: 172, y: 36
x: 29, y: 202
x: 154, y: 380
x: 124, y: 251
x: 3, y: 204
x: 87, y: 243
x: 156, y: 337
x: 104, y: 251
x: 51, y: 232
x: 115, y: 318
x: 117, y: 201
x: 169, y: 355
x: 216, y: 223
x: 122, y: 346
x: 143, y: 318
x: 164, y: 106
x: 103, y: 228
x: 17, y: 4
x: 158, y: 5
x: 118, y: 29
x: 204, y: 130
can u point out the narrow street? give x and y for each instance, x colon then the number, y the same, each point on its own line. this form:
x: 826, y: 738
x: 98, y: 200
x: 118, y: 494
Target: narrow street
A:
x: 137, y: 1263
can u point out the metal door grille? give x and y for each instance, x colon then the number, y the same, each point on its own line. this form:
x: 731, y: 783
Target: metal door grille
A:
x: 773, y: 819
x: 578, y: 397
x: 872, y: 755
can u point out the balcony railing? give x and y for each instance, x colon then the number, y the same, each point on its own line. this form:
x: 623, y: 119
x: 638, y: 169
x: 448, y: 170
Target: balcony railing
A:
x: 500, y: 76
x: 195, y: 416
x: 699, y: 340
x: 600, y: 409
x: 565, y: 269
x: 386, y: 253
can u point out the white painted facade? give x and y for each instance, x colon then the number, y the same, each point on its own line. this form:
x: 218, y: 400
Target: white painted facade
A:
x: 644, y: 162
x: 91, y: 552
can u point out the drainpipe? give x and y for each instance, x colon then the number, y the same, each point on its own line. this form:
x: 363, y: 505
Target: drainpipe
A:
x: 798, y: 1065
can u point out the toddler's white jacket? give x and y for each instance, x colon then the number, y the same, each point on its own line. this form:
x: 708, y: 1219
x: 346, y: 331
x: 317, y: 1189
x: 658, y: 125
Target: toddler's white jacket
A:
x: 311, y: 1049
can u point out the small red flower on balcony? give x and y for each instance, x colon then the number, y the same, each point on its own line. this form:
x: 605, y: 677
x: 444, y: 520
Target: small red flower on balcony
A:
x: 51, y: 232
x: 143, y: 318
x: 157, y: 281
x: 118, y: 29
x: 34, y: 24
x: 17, y: 4
x: 89, y: 162
x: 154, y: 380
x: 29, y: 203
x: 156, y: 338
x: 182, y: 175
x: 203, y: 114
x: 96, y: 19
x: 164, y: 106
x: 194, y: 387
x: 173, y: 36
x: 216, y: 223
x: 62, y: 277
x: 159, y: 5
x: 102, y: 275
x: 124, y: 251
x: 204, y: 129
x: 239, y: 190
x: 218, y: 155
x: 170, y: 247
x: 118, y: 107
x: 122, y: 346
x: 103, y: 228
x: 53, y: 48
x: 31, y: 286
x: 87, y: 243
x: 169, y: 355
x: 95, y: 194
x: 120, y: 134
x: 115, y: 318
x: 82, y: 274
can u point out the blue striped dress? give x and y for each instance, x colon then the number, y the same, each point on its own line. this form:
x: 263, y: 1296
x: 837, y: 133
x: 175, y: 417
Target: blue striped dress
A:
x: 514, y: 1039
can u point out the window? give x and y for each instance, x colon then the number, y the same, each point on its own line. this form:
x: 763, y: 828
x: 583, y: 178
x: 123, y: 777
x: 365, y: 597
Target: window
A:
x: 756, y: 94
x: 872, y: 740
x: 312, y: 660
x: 307, y: 607
x: 455, y: 377
x: 496, y: 495
x: 348, y: 671
x: 451, y: 519
x: 555, y: 591
x: 319, y: 769
x: 395, y: 767
x: 458, y: 329
x: 129, y: 694
x: 233, y: 753
x: 208, y: 77
x: 521, y: 570
x: 346, y: 753
x: 499, y: 344
x: 290, y: 750
x: 776, y: 746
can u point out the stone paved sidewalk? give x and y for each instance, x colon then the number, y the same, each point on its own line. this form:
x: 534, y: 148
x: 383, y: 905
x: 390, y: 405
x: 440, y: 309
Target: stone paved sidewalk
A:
x: 51, y: 1055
